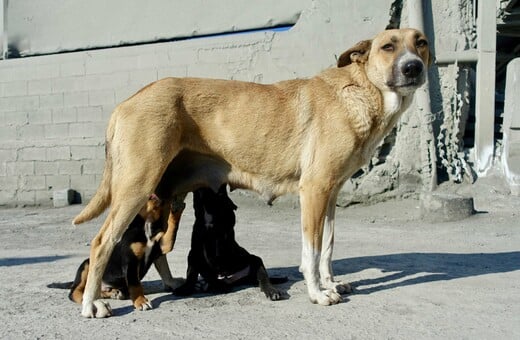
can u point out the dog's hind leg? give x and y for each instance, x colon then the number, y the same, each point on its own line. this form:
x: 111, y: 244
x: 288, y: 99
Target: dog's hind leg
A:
x: 326, y: 274
x: 128, y: 198
x: 314, y: 201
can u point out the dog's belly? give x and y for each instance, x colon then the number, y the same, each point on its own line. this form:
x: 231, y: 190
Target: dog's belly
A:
x: 192, y: 170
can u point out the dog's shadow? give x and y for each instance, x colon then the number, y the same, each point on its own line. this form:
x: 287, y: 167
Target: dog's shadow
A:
x: 153, y: 287
x: 406, y: 269
x: 20, y: 261
x: 392, y: 271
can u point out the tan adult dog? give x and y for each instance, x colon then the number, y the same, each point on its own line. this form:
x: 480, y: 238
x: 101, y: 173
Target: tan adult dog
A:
x: 304, y: 136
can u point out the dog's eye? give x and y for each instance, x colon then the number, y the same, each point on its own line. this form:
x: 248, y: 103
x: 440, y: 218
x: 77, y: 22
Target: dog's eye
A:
x: 388, y: 48
x: 421, y: 43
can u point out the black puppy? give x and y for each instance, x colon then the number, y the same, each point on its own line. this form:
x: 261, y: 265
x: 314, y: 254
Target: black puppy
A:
x: 215, y: 254
x: 146, y: 240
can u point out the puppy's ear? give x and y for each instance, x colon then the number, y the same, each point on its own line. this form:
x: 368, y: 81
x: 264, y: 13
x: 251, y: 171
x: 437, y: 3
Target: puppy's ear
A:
x: 230, y: 204
x: 356, y: 54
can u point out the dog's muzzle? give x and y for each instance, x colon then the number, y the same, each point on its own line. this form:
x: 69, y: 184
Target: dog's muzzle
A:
x: 408, y: 74
x: 412, y: 69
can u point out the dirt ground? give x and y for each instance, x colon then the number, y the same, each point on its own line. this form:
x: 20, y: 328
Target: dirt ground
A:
x: 413, y: 280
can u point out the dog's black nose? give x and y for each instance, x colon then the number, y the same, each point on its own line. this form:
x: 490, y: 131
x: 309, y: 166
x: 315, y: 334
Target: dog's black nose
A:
x: 412, y: 69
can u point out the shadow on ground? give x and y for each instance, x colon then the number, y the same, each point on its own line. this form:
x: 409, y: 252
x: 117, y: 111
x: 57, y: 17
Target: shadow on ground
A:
x: 402, y: 270
x: 20, y: 261
x: 415, y: 268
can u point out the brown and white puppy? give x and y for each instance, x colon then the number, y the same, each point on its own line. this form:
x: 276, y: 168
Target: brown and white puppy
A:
x: 305, y: 136
x: 145, y: 242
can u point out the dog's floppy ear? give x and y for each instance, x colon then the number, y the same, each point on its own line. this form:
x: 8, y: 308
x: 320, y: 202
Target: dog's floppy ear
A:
x: 356, y: 54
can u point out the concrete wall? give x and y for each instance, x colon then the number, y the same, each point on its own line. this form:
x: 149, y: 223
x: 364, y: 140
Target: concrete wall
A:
x: 54, y: 109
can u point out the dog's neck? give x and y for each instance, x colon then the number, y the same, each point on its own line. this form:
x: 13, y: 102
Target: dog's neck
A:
x: 392, y: 103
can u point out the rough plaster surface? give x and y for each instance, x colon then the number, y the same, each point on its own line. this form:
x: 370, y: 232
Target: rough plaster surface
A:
x: 402, y: 166
x: 49, y: 26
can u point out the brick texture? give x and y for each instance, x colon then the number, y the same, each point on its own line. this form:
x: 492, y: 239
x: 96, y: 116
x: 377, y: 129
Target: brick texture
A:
x: 54, y: 109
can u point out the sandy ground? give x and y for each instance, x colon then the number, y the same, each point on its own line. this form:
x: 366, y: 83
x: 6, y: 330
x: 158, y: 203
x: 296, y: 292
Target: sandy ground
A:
x: 413, y: 280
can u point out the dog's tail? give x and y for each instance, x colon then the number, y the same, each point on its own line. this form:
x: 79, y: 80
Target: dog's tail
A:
x: 102, y: 197
x: 60, y: 285
x: 101, y: 200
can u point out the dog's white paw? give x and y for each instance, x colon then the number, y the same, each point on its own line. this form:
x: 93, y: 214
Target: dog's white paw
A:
x: 96, y: 309
x: 326, y: 297
x: 339, y: 287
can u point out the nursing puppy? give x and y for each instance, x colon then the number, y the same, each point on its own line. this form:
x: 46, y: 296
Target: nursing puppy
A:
x: 305, y: 136
x: 216, y: 256
x: 144, y: 242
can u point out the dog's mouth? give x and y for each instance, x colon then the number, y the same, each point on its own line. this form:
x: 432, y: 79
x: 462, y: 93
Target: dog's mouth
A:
x: 406, y: 85
x: 410, y: 84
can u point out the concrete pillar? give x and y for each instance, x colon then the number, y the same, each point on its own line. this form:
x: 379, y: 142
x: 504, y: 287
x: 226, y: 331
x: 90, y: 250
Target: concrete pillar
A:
x: 3, y: 29
x: 485, y: 91
x: 511, y: 153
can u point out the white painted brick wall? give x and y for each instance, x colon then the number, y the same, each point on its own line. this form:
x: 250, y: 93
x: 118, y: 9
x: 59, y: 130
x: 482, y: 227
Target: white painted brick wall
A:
x: 54, y: 109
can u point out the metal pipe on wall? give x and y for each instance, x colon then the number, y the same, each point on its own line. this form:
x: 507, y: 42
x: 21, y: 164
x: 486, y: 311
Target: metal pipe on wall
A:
x: 422, y: 99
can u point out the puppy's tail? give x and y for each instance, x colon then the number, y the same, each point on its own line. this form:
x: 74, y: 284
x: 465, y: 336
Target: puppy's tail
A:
x: 60, y: 285
x: 101, y: 200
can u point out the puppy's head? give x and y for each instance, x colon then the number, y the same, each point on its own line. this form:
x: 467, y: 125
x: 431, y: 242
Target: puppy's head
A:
x: 152, y: 210
x: 395, y: 60
x: 215, y: 209
x: 154, y: 214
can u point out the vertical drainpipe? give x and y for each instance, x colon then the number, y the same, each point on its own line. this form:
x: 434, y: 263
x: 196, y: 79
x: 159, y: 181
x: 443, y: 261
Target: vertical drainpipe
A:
x: 422, y: 100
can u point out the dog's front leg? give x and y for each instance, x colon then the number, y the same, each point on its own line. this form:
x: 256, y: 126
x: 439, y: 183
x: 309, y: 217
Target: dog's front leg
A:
x: 326, y: 274
x: 169, y: 283
x: 192, y: 275
x: 135, y: 288
x: 314, y: 201
x: 174, y: 217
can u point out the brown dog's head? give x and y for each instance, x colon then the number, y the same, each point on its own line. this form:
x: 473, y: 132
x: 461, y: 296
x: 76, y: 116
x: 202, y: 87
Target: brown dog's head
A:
x: 395, y: 60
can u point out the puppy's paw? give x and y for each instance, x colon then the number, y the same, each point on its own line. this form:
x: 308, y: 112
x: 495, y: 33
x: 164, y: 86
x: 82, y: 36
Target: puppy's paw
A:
x: 142, y: 303
x: 96, y: 309
x: 114, y: 293
x: 273, y: 294
x: 325, y: 297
